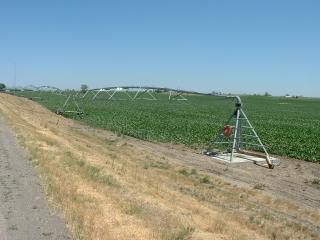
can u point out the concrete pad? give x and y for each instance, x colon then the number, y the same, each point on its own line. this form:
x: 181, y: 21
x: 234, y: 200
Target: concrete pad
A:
x: 240, y: 158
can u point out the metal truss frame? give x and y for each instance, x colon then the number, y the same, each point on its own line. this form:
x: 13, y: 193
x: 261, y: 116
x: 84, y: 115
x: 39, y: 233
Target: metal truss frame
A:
x: 176, y: 96
x: 112, y: 94
x: 64, y: 109
x: 243, y: 135
x: 238, y: 121
x: 141, y: 92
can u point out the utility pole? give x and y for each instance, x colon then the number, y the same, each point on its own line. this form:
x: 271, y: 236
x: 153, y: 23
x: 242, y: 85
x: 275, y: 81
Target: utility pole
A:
x: 14, y: 75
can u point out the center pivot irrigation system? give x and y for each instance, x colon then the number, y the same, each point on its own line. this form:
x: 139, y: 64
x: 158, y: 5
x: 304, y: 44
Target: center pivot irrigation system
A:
x: 231, y: 144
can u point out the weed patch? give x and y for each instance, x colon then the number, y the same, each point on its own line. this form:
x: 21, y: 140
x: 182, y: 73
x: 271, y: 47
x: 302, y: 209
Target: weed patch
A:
x: 92, y: 173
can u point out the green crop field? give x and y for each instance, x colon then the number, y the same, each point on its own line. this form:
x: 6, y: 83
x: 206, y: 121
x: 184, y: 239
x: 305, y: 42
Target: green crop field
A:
x: 288, y: 127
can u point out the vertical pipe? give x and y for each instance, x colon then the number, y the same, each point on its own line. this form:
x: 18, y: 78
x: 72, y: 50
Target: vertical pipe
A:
x: 238, y: 145
x: 15, y: 74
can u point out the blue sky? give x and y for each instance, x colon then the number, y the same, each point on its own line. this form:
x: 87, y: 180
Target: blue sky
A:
x: 230, y: 46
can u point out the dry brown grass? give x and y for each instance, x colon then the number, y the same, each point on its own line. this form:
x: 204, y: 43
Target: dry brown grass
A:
x: 107, y: 189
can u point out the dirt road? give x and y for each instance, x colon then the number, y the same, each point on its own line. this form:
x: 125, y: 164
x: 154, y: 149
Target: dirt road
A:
x: 24, y: 213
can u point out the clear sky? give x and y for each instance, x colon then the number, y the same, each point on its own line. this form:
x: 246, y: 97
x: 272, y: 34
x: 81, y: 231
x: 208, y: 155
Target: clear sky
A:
x: 235, y: 46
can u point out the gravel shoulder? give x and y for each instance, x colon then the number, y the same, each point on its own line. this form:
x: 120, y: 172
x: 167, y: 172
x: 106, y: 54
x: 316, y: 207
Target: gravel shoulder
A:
x: 24, y: 212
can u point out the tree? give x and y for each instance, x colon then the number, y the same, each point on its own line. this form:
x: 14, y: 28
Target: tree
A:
x: 2, y: 86
x: 84, y: 88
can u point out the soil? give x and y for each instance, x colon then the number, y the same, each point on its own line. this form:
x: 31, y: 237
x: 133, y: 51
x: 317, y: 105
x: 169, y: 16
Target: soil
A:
x: 293, y: 179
